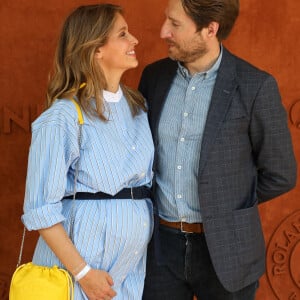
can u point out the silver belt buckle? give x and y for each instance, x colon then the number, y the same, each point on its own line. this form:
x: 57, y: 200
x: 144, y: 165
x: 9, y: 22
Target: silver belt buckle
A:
x: 181, y: 228
x: 131, y: 191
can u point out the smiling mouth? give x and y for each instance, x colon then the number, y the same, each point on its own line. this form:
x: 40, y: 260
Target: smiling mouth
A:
x: 132, y: 52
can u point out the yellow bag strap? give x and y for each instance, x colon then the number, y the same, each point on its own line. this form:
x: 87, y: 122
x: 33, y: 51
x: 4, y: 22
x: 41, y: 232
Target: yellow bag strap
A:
x: 80, y: 123
x: 79, y: 112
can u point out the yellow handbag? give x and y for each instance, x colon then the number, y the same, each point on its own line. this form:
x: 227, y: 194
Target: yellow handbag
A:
x: 34, y: 282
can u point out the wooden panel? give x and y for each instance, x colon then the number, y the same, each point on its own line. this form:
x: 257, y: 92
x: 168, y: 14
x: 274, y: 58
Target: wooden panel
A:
x: 266, y: 34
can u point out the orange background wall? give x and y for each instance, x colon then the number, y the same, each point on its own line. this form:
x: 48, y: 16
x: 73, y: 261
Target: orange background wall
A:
x: 266, y: 34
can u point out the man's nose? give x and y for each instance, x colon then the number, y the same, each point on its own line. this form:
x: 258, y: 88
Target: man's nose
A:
x: 165, y: 31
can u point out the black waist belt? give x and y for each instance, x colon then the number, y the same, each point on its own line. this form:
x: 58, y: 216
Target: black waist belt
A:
x: 135, y: 193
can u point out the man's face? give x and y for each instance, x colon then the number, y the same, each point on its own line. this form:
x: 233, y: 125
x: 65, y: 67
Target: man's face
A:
x: 180, y: 33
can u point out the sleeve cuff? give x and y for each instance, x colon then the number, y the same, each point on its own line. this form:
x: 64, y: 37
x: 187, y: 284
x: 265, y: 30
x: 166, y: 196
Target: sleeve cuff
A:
x: 43, y: 217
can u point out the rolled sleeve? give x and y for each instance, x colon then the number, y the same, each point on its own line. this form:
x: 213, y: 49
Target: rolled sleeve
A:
x: 53, y: 149
x: 43, y: 217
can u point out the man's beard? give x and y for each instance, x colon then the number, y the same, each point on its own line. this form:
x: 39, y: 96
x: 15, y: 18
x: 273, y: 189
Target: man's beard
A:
x: 187, y: 54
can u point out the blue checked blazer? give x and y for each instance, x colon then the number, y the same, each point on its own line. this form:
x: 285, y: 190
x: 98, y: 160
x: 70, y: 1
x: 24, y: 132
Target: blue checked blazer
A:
x: 246, y: 158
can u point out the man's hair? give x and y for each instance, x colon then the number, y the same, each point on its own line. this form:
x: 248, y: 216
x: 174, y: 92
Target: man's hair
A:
x: 203, y: 12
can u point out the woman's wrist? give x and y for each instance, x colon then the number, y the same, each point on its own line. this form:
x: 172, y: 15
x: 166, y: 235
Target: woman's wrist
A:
x: 82, y: 273
x: 78, y: 268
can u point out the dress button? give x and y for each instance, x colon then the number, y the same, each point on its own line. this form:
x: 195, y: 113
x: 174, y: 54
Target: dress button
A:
x: 179, y: 196
x: 193, y: 88
x: 185, y: 114
x: 182, y: 139
x: 179, y: 167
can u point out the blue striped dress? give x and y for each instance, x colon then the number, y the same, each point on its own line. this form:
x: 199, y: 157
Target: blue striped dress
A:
x: 111, y: 235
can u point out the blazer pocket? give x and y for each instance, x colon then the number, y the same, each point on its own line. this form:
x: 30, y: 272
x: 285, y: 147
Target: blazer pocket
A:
x: 235, y: 118
x: 233, y: 128
x: 249, y: 237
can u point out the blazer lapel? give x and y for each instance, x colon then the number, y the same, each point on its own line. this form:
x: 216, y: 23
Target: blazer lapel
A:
x: 221, y: 98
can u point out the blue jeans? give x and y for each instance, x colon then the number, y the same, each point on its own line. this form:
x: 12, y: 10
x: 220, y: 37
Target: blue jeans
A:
x: 187, y: 271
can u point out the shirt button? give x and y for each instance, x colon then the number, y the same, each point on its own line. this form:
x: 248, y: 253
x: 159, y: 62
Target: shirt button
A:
x: 133, y: 147
x: 193, y: 88
x: 185, y: 114
x: 182, y: 139
x: 179, y: 167
x: 179, y: 196
x: 145, y: 224
x: 136, y: 253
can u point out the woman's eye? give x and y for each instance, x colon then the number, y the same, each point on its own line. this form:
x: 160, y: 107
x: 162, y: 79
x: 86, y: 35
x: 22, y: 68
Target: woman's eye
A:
x: 122, y: 34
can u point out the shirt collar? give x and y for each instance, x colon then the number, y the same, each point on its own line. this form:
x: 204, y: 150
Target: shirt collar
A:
x: 206, y: 74
x: 113, y: 97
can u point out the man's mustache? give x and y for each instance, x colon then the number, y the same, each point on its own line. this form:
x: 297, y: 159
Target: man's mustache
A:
x: 170, y: 42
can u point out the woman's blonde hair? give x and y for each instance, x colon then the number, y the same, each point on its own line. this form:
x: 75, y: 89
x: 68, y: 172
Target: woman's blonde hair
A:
x: 84, y: 31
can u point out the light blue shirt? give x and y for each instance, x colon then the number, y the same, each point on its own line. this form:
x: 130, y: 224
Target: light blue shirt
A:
x: 180, y: 133
x: 110, y: 235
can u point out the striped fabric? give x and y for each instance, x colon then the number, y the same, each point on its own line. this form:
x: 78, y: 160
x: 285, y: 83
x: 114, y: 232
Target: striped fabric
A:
x: 110, y: 234
x: 185, y: 111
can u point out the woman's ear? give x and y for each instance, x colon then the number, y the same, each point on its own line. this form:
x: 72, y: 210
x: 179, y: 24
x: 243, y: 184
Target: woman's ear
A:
x: 99, y: 53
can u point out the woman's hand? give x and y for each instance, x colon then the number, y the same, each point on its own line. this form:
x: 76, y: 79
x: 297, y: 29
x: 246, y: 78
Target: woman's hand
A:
x: 97, y: 285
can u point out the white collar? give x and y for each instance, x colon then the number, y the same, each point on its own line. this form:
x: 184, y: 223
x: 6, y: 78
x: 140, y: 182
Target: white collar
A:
x: 113, y: 97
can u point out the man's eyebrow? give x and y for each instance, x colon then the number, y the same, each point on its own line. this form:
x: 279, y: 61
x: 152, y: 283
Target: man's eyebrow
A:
x: 173, y: 19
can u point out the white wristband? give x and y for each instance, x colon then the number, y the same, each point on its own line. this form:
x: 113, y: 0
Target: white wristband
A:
x: 82, y: 273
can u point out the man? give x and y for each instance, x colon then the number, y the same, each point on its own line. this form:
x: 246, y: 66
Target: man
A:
x: 222, y: 147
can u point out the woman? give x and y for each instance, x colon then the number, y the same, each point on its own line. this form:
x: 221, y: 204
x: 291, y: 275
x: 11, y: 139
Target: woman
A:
x: 110, y: 231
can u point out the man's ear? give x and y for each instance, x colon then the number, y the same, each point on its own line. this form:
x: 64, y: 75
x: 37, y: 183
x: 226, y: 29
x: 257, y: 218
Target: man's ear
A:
x: 212, y: 29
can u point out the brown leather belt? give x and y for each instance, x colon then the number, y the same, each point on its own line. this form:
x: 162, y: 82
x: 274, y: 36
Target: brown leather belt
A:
x: 183, y: 226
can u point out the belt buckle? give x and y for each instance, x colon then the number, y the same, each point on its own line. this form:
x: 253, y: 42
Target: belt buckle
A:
x: 181, y: 228
x: 131, y: 192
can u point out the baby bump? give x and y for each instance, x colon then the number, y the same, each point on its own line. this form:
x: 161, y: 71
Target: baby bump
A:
x: 105, y: 230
